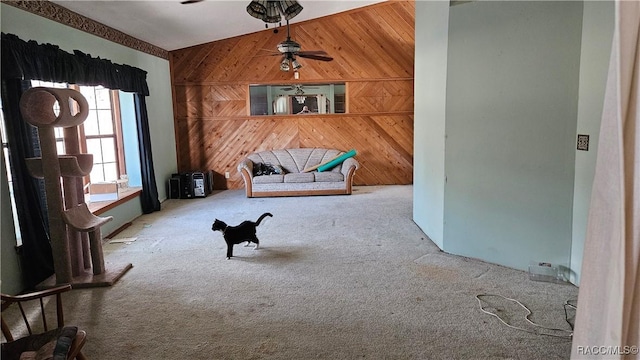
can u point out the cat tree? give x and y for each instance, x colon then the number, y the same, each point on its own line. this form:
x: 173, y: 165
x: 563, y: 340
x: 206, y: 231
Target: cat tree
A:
x: 74, y: 232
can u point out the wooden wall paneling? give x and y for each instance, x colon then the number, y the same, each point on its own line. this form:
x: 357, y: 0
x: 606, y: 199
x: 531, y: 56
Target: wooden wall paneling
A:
x: 393, y: 132
x: 402, y: 18
x: 197, y: 101
x: 364, y: 44
x: 179, y: 102
x: 194, y: 64
x: 399, y: 128
x: 372, y: 49
x: 384, y: 159
x: 337, y: 44
x: 238, y: 59
x: 210, y: 101
x: 229, y: 100
x: 183, y: 61
x: 260, y: 134
x: 377, y: 96
x: 190, y: 150
x: 397, y: 95
x: 381, y: 60
x: 223, y: 142
x: 366, y: 97
x: 384, y: 143
x: 399, y: 34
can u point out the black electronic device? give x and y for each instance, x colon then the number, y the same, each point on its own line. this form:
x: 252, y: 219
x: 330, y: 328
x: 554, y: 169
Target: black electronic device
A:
x: 198, y: 184
x: 186, y: 185
x: 174, y: 187
x: 189, y: 185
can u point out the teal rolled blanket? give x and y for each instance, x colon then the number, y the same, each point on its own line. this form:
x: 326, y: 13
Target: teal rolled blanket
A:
x: 337, y: 160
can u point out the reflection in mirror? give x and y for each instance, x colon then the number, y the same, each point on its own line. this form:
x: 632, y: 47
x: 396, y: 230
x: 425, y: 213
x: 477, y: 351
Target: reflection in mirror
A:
x: 297, y: 99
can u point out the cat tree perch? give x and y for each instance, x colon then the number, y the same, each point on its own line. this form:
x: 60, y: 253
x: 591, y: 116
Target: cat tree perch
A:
x: 74, y: 232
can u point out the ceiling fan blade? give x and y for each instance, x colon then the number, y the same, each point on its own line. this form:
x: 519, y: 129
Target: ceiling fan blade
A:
x: 274, y: 54
x: 315, y: 57
x: 313, y: 52
x: 185, y: 2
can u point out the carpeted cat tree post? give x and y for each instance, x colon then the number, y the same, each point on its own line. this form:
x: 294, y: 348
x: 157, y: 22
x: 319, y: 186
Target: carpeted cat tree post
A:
x: 74, y: 232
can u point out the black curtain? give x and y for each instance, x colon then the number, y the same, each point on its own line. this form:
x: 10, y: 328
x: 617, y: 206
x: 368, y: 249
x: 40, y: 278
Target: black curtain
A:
x: 149, y: 195
x: 29, y: 192
x: 27, y: 60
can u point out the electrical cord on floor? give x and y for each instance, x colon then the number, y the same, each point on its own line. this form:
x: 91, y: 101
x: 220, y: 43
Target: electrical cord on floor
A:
x: 568, y: 335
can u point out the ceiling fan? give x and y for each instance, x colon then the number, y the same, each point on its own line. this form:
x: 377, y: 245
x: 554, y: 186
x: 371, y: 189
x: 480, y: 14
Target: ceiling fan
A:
x: 290, y: 49
x: 298, y: 88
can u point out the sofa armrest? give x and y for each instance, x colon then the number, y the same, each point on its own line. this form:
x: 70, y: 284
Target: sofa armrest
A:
x: 245, y: 168
x: 347, y: 165
x: 348, y: 169
x: 246, y: 164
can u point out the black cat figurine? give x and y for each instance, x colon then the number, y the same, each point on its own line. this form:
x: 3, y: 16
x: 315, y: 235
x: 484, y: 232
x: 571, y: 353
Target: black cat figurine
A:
x: 246, y: 231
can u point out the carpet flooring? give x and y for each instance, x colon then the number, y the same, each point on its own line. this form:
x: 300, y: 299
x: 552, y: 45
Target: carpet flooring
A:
x: 336, y: 277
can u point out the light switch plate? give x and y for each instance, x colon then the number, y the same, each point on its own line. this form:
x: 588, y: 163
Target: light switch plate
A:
x: 583, y: 142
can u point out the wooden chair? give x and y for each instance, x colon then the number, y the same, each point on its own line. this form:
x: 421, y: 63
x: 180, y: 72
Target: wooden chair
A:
x: 61, y: 343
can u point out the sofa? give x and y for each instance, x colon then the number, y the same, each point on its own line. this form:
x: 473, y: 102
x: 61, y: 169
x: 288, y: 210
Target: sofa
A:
x: 290, y: 179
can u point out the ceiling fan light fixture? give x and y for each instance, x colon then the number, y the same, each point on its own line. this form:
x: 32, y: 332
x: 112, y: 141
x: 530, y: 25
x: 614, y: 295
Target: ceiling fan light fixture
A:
x: 273, y: 13
x: 257, y: 9
x: 290, y: 8
x: 284, y: 65
x: 296, y: 65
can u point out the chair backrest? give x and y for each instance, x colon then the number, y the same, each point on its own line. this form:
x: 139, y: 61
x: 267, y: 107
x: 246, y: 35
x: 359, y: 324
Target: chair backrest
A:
x: 8, y: 300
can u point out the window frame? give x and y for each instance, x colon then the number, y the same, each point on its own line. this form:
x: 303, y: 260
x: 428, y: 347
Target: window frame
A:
x: 116, y: 122
x: 116, y: 119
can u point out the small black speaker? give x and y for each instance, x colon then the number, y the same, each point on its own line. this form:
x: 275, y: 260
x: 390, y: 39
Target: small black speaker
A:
x: 186, y: 185
x: 199, y: 189
x: 174, y: 188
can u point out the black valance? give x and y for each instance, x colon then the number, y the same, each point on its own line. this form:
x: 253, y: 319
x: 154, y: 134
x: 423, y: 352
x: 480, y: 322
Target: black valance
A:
x: 28, y: 60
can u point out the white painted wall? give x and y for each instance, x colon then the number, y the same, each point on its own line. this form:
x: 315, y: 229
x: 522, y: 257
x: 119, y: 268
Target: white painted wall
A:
x: 597, y: 34
x: 28, y: 26
x: 430, y: 83
x: 512, y: 94
x: 523, y: 79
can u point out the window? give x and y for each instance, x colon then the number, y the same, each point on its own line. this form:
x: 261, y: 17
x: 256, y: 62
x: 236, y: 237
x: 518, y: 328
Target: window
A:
x: 100, y: 134
x: 109, y: 133
x: 297, y: 99
x: 56, y: 110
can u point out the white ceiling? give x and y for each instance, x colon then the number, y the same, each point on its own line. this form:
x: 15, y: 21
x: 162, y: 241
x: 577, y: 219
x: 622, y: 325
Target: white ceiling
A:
x: 171, y: 25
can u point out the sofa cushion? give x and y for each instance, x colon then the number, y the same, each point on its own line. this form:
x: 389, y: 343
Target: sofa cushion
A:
x: 328, y: 176
x: 299, y: 178
x: 268, y: 179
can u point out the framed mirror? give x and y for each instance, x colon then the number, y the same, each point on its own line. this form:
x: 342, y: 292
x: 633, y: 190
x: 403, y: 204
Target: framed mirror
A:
x: 297, y: 99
